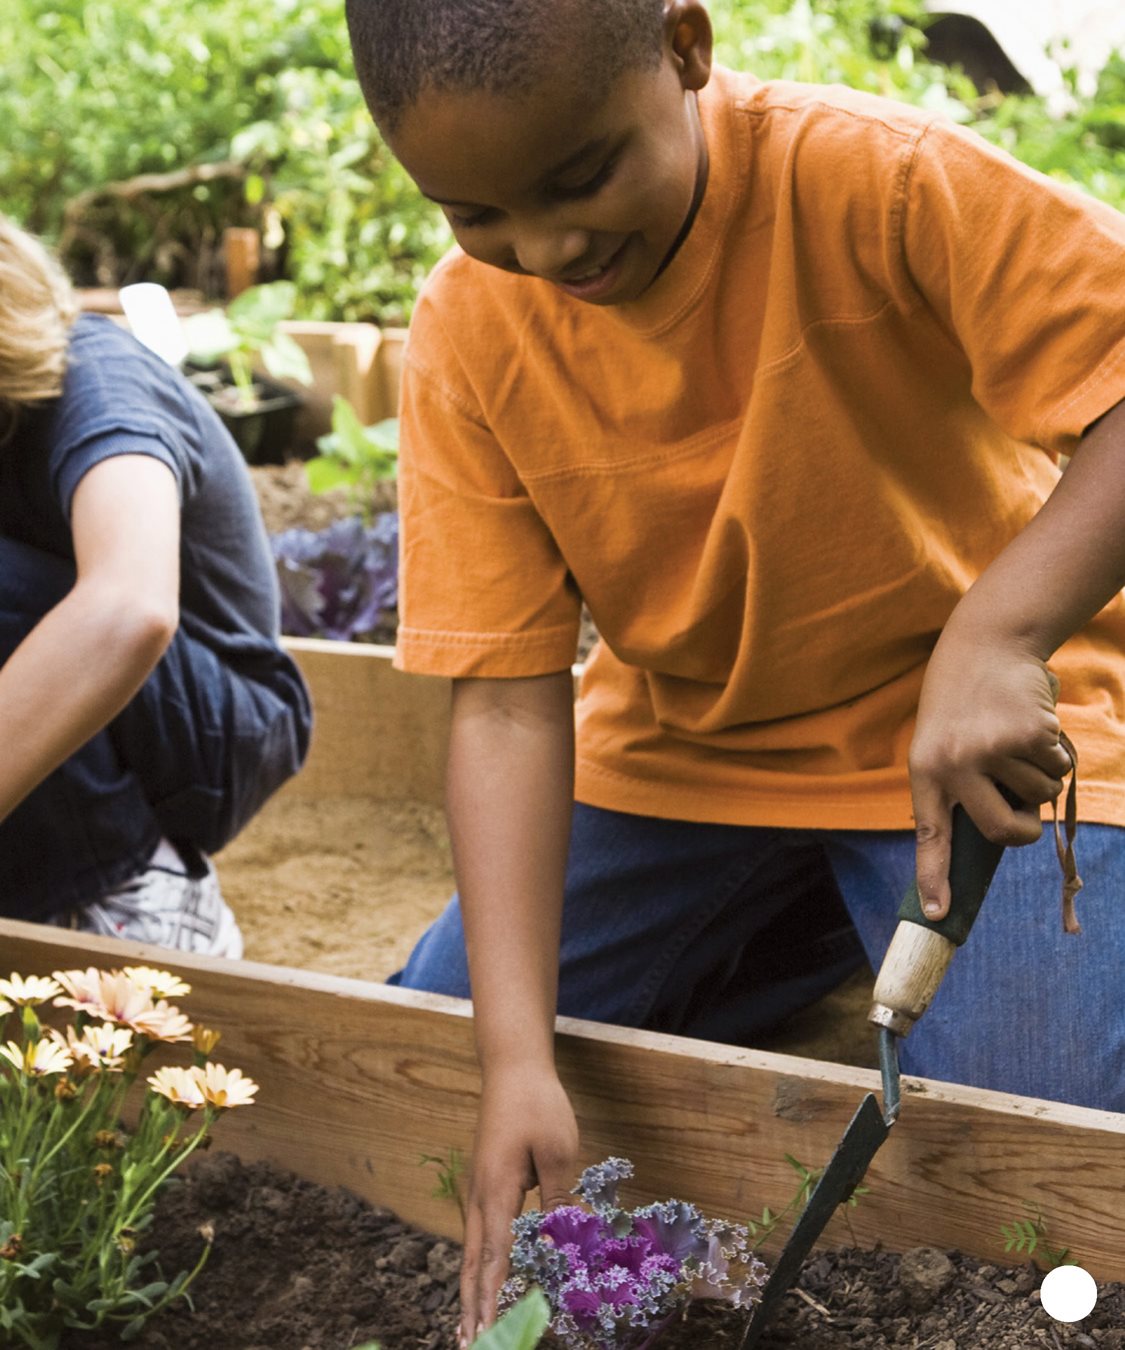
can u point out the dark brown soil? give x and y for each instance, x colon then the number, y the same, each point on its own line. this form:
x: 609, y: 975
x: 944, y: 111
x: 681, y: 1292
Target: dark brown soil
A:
x: 297, y: 1267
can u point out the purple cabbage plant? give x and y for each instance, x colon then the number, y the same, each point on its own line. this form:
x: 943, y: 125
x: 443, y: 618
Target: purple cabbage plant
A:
x: 340, y: 581
x: 616, y: 1278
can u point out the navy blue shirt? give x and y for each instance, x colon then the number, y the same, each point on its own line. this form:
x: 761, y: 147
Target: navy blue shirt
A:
x: 120, y: 399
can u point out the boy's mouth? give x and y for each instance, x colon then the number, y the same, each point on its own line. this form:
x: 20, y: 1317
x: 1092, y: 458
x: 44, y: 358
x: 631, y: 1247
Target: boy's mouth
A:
x: 597, y: 281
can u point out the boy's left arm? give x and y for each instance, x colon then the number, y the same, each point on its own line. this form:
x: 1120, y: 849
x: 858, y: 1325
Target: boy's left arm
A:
x: 986, y: 718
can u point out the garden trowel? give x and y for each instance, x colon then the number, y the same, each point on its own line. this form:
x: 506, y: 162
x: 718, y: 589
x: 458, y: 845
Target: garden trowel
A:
x: 912, y: 970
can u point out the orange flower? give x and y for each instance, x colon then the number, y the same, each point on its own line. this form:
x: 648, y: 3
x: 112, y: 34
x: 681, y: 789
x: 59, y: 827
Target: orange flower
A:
x: 204, y: 1039
x: 226, y: 1088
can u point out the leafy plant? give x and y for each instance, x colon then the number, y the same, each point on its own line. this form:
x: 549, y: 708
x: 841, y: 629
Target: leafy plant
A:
x: 1028, y: 1237
x: 520, y: 1328
x: 77, y: 1189
x: 807, y: 1177
x: 614, y: 1278
x: 450, y: 1170
x: 246, y: 330
x: 354, y: 456
x: 338, y: 582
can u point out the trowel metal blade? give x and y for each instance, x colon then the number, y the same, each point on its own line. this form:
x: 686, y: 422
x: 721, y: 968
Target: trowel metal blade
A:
x: 844, y: 1172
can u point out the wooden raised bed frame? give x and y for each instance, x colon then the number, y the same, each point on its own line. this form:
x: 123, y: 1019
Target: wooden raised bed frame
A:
x: 358, y: 1080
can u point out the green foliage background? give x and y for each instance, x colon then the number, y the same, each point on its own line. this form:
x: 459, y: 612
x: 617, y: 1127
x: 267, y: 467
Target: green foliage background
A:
x: 97, y: 91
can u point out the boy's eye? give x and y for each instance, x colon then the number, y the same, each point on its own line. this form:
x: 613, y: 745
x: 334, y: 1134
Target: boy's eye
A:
x: 591, y: 185
x: 467, y: 222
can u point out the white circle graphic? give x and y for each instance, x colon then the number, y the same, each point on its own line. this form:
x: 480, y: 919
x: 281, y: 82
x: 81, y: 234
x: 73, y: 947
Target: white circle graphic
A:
x: 1068, y: 1293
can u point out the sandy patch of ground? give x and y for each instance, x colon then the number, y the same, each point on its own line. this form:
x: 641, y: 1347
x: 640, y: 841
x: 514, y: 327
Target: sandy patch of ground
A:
x: 342, y: 885
x: 347, y: 885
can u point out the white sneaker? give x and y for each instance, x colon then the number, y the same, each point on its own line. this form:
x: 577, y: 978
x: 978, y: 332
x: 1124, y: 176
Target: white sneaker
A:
x: 167, y: 908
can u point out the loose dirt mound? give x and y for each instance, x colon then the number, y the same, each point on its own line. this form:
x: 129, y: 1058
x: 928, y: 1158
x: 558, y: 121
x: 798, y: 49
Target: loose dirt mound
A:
x: 298, y: 1267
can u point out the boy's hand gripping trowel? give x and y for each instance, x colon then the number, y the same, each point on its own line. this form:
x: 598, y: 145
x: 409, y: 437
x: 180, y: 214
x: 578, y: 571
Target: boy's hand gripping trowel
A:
x: 912, y: 970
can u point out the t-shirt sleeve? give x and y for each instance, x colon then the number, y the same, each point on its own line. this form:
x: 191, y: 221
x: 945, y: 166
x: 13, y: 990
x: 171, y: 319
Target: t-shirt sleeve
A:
x: 1027, y: 275
x: 117, y: 399
x: 483, y: 588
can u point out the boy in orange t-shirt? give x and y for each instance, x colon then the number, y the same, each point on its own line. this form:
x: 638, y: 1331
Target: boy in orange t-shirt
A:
x: 776, y: 379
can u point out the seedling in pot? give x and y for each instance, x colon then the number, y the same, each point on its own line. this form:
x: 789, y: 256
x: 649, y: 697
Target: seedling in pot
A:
x: 249, y: 329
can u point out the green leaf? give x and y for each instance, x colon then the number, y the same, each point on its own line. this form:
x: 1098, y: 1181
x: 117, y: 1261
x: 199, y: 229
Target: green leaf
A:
x: 285, y: 360
x: 263, y: 306
x: 131, y: 1330
x: 324, y: 473
x: 209, y: 337
x: 520, y: 1328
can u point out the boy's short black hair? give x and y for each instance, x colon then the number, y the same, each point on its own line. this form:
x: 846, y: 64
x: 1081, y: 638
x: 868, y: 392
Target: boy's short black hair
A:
x: 499, y: 46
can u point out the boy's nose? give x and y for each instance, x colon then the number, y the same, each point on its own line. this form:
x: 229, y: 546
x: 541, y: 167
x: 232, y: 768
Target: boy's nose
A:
x: 551, y: 253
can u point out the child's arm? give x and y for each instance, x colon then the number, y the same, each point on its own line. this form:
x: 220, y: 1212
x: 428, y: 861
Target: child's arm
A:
x: 510, y: 788
x: 88, y: 656
x: 987, y: 714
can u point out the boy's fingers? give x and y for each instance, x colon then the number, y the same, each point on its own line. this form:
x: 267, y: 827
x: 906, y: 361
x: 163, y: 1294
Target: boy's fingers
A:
x: 932, y: 832
x: 496, y: 1242
x: 470, y: 1274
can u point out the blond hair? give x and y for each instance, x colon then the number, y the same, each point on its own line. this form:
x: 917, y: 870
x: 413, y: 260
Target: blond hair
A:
x: 37, y: 308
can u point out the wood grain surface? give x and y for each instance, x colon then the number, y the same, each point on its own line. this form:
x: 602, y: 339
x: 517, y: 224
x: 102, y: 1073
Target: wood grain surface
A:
x: 359, y: 1080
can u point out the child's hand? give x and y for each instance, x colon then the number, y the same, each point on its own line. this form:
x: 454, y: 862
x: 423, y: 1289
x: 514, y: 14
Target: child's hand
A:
x: 986, y: 721
x: 526, y: 1136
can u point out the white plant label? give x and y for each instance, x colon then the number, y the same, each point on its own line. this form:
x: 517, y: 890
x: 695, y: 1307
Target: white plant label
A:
x: 1068, y: 1293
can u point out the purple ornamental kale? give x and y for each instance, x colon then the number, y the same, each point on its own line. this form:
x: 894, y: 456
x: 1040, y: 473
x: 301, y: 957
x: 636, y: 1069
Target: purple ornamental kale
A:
x: 337, y: 582
x: 615, y: 1278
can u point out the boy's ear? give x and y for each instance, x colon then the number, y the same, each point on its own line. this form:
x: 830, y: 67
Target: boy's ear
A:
x: 688, y: 40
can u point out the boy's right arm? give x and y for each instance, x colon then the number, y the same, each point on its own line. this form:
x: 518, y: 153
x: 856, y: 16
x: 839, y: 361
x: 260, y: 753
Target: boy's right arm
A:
x: 509, y: 796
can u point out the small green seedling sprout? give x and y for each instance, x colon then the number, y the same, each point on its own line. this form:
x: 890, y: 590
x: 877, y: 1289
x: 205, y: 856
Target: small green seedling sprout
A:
x: 807, y: 1178
x: 1028, y: 1237
x: 249, y: 329
x: 450, y: 1170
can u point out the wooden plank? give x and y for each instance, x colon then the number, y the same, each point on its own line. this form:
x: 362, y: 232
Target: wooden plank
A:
x: 358, y: 1080
x: 377, y: 732
x: 344, y: 358
x: 390, y: 369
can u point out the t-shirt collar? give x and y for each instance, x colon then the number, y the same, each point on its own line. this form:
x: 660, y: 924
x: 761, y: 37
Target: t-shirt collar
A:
x: 680, y: 286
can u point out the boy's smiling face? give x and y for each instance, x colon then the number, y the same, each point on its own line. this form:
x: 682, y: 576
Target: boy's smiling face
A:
x: 594, y: 197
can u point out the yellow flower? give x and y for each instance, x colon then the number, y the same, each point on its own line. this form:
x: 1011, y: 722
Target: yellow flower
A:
x: 99, y: 1047
x: 180, y: 1086
x: 38, y: 1058
x: 31, y: 989
x: 162, y: 1023
x: 204, y: 1039
x: 158, y: 983
x: 226, y: 1088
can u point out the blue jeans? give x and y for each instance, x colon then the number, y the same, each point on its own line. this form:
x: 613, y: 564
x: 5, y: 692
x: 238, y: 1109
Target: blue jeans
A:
x: 721, y: 932
x: 192, y: 757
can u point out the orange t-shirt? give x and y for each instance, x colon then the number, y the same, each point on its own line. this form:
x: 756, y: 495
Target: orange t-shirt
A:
x: 772, y: 476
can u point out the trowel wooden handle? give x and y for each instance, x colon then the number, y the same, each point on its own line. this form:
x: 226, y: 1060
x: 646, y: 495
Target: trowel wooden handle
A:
x: 921, y: 950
